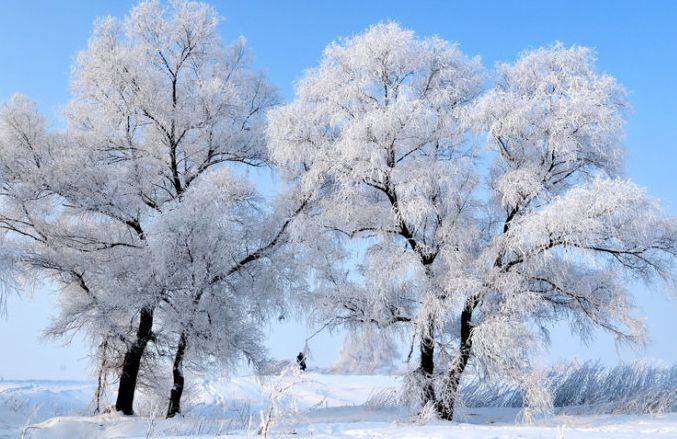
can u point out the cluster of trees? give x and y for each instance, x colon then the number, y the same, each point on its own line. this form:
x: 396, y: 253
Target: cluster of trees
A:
x: 419, y: 198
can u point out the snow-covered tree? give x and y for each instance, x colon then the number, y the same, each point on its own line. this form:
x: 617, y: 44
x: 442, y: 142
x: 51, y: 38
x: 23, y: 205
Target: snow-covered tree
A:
x: 367, y: 351
x: 139, y: 210
x: 563, y: 231
x: 378, y: 129
x: 375, y: 131
x: 158, y: 102
x: 225, y: 262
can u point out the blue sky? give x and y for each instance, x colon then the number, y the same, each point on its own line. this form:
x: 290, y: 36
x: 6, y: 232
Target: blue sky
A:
x: 636, y: 42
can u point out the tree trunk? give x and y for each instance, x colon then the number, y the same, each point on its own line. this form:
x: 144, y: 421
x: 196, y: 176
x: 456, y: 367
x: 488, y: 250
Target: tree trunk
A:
x: 132, y: 363
x: 177, y: 372
x: 427, y: 366
x: 445, y: 407
x: 101, y: 376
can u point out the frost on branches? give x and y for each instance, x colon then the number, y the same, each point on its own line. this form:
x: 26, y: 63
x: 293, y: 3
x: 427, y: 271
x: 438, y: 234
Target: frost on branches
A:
x: 551, y: 234
x: 367, y: 351
x: 377, y: 128
x: 394, y: 219
x: 562, y: 229
x: 139, y: 210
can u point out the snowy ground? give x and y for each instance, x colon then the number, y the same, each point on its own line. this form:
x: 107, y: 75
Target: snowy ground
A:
x: 322, y: 406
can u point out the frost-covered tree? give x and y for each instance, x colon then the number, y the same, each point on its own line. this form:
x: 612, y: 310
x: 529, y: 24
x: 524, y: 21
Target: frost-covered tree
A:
x: 158, y: 102
x: 367, y: 351
x: 226, y: 262
x: 8, y: 273
x: 378, y: 130
x: 375, y: 130
x: 563, y: 231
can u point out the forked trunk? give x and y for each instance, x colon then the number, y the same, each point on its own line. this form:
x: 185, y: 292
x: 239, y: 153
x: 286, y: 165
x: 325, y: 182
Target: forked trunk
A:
x: 427, y: 366
x: 132, y: 363
x: 445, y: 407
x: 177, y: 372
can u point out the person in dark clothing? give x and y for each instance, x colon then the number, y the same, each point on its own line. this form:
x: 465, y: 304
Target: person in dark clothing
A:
x: 301, y: 360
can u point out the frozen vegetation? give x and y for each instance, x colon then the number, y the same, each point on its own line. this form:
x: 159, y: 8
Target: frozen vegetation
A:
x: 418, y: 196
x: 590, y: 401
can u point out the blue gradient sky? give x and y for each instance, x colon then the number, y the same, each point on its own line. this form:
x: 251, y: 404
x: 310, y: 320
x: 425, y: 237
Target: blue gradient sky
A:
x: 635, y: 41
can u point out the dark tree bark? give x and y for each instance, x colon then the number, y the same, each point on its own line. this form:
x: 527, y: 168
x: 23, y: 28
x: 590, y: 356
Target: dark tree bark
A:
x: 427, y: 346
x: 427, y: 365
x: 132, y: 363
x: 445, y: 408
x: 177, y: 373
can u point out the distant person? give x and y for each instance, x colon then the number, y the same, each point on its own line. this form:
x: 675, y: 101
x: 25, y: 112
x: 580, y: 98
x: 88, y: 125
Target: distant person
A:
x: 301, y: 360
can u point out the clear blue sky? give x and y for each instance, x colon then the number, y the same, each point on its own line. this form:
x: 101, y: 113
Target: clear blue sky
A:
x: 635, y: 41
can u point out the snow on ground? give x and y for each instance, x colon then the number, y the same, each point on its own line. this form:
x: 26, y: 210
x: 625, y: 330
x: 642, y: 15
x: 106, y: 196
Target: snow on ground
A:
x: 24, y: 402
x: 321, y: 406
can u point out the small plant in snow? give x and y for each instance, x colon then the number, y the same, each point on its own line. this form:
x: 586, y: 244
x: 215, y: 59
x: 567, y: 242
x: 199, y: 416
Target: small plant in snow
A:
x: 27, y: 424
x: 280, y: 406
x: 384, y: 398
x: 152, y: 423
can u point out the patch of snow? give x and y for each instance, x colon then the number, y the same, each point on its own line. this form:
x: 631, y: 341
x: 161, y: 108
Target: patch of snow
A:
x: 328, y: 406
